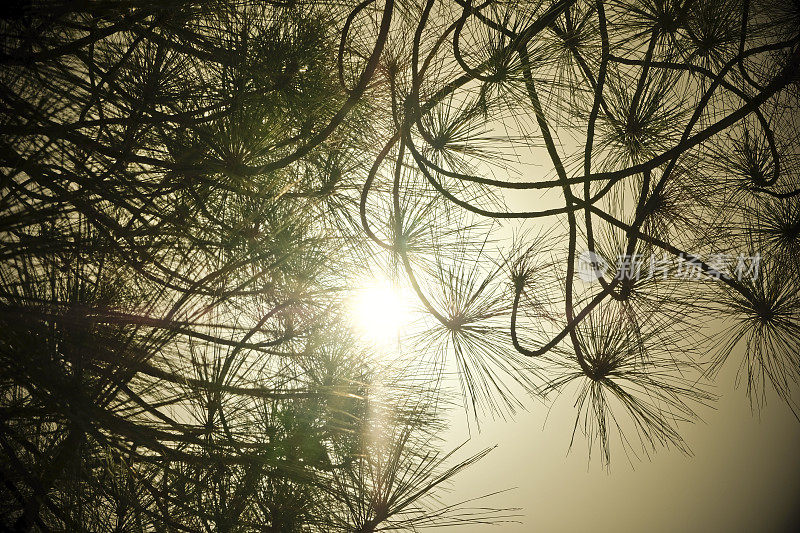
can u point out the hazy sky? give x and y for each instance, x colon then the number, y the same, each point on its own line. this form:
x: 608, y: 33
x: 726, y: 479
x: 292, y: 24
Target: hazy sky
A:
x: 744, y: 475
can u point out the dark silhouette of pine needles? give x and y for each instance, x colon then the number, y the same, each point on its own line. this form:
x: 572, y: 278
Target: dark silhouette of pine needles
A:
x: 191, y: 191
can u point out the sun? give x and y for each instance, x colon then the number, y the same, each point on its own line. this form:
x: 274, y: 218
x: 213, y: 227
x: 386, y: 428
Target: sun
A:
x: 381, y: 311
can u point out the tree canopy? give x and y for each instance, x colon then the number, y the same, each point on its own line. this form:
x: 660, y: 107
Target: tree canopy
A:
x: 587, y: 197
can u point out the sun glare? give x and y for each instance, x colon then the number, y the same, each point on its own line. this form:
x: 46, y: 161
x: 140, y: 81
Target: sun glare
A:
x: 381, y: 311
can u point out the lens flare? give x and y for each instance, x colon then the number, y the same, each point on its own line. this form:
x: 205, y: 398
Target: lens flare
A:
x: 381, y: 311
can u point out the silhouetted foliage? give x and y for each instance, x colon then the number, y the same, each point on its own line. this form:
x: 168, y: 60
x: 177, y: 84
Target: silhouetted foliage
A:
x: 191, y: 192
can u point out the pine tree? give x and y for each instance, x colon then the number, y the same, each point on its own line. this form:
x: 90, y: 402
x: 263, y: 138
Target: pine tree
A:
x: 190, y: 192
